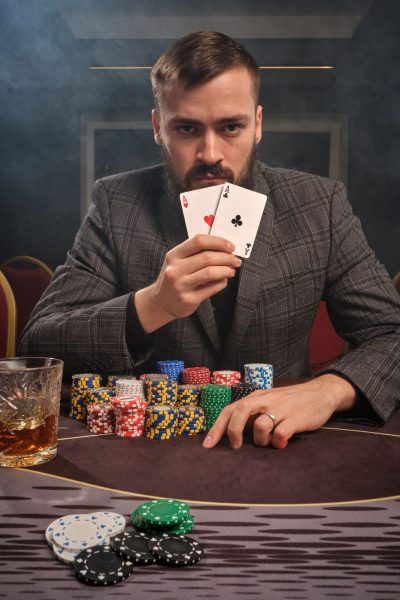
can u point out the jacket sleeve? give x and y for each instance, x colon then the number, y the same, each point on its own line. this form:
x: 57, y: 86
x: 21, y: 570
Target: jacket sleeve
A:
x: 365, y: 309
x: 81, y: 318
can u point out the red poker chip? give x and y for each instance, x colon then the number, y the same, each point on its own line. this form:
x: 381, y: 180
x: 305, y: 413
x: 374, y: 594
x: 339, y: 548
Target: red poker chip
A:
x: 129, y: 433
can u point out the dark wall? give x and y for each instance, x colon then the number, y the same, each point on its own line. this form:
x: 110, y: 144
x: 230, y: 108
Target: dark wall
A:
x: 47, y: 90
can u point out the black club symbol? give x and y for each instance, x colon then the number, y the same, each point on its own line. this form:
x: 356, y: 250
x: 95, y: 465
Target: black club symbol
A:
x: 236, y: 221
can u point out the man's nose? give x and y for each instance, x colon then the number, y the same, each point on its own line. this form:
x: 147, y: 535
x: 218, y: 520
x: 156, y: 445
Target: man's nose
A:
x: 209, y: 149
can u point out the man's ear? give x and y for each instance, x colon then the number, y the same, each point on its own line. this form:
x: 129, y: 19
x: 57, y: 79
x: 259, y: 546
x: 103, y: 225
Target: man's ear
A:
x: 258, y: 135
x: 156, y: 126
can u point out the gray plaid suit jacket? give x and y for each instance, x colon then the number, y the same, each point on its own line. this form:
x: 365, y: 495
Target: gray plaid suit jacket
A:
x: 309, y: 247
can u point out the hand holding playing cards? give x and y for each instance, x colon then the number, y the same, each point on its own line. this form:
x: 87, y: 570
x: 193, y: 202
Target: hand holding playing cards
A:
x: 295, y: 408
x: 192, y: 272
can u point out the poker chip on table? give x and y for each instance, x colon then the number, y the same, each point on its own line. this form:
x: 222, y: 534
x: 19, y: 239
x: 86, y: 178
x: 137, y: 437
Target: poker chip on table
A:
x: 63, y: 555
x: 161, y: 422
x: 77, y: 532
x: 100, y: 395
x: 214, y: 398
x: 172, y: 368
x: 100, y: 418
x: 101, y: 565
x: 129, y: 386
x: 191, y: 421
x: 188, y: 395
x: 196, y: 375
x: 81, y: 384
x: 161, y: 391
x: 226, y: 377
x: 134, y: 546
x: 114, y: 522
x: 175, y: 550
x: 156, y: 376
x: 185, y: 527
x: 242, y: 390
x: 160, y: 514
x: 130, y: 415
x: 259, y: 374
x: 112, y: 380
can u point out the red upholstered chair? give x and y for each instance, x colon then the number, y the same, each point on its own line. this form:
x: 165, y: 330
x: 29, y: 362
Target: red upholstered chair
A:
x: 325, y: 344
x: 28, y: 278
x: 7, y: 319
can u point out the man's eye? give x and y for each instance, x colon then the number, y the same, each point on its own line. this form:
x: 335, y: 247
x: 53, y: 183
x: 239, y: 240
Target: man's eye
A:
x: 232, y: 128
x: 185, y: 129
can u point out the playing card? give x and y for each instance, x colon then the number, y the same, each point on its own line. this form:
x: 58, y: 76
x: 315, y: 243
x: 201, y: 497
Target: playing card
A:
x: 238, y: 217
x: 199, y: 208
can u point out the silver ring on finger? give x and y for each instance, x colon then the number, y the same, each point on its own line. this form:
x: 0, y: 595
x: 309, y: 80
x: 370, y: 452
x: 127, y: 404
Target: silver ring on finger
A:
x: 273, y: 419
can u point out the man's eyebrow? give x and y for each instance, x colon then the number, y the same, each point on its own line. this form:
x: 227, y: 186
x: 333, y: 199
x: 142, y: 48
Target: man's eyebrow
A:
x: 234, y: 118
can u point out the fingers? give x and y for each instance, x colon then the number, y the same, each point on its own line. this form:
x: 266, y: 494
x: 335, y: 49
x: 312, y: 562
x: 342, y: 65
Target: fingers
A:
x: 220, y: 426
x: 262, y: 430
x: 233, y: 419
x: 210, y: 258
x: 208, y: 275
x: 201, y: 242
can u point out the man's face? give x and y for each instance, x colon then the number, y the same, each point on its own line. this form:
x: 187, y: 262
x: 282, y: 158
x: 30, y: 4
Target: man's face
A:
x: 208, y: 133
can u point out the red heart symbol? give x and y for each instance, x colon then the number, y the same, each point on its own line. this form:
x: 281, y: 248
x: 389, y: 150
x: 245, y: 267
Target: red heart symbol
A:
x: 209, y: 219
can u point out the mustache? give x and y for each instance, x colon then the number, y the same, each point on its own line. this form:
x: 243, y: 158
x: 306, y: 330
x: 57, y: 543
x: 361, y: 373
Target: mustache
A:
x: 215, y: 170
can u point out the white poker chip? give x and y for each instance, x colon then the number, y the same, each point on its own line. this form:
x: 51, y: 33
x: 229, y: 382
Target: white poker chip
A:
x: 64, y: 556
x: 114, y: 522
x: 77, y: 532
x: 49, y: 531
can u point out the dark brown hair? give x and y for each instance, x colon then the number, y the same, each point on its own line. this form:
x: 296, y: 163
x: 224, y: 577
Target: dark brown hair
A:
x: 197, y: 58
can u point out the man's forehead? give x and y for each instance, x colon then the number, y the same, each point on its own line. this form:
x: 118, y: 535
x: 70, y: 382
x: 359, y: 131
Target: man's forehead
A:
x: 235, y: 83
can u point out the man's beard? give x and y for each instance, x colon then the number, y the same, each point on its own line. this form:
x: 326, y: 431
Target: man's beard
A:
x: 174, y: 187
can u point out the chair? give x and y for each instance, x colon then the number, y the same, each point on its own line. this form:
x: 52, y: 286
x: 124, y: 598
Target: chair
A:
x: 8, y: 318
x: 28, y: 278
x: 325, y: 344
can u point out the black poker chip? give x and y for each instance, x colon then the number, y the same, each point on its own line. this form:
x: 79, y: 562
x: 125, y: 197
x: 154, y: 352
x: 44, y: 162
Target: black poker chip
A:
x: 175, y: 550
x: 134, y: 546
x: 101, y: 565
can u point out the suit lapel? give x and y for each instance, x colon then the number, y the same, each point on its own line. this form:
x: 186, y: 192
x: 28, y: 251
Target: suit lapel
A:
x: 174, y: 230
x: 252, y: 275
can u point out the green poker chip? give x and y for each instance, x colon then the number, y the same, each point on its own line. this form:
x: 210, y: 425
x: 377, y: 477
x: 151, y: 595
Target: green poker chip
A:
x: 160, y: 514
x: 185, y: 527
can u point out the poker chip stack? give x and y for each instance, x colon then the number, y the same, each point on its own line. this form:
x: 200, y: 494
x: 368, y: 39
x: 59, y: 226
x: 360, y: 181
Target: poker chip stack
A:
x: 214, y: 398
x: 81, y: 384
x: 112, y: 380
x: 161, y: 422
x: 226, y: 377
x: 259, y: 374
x: 159, y: 376
x: 196, y: 375
x: 188, y: 395
x: 191, y: 420
x: 172, y: 368
x: 100, y: 418
x: 69, y: 535
x: 161, y: 391
x: 130, y: 415
x: 243, y: 389
x: 163, y: 516
x: 130, y: 387
x: 100, y: 395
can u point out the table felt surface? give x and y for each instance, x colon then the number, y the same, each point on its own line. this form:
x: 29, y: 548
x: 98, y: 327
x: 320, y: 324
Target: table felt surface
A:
x: 319, y: 519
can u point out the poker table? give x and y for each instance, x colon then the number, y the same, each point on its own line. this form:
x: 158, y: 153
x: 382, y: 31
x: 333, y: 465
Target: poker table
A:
x: 319, y: 519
